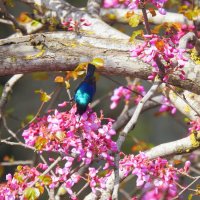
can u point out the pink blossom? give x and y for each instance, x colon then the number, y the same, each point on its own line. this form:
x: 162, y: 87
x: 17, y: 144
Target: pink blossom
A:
x: 96, y: 181
x: 75, y: 25
x: 154, y: 177
x: 195, y: 125
x: 115, y: 3
x: 187, y: 166
x: 62, y: 104
x: 66, y: 133
x: 167, y: 106
x: 110, y: 3
x: 165, y: 49
x: 128, y: 94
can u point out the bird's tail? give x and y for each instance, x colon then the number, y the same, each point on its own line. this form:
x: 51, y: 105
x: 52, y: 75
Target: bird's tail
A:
x: 90, y: 70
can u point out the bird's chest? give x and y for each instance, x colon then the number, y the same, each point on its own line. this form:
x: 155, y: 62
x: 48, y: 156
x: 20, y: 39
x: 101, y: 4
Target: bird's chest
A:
x: 84, y: 94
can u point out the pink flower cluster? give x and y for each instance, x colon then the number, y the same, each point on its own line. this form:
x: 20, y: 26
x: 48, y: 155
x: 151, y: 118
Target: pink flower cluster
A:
x: 75, y: 25
x: 15, y: 186
x: 76, y: 139
x: 115, y: 3
x: 127, y: 94
x: 95, y: 180
x: 155, y: 177
x: 195, y: 125
x: 157, y: 3
x: 184, y: 29
x: 67, y: 133
x: 167, y: 106
x: 165, y: 49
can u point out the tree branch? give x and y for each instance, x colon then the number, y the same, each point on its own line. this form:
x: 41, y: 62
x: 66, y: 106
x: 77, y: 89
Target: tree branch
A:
x: 11, y: 18
x: 63, y: 11
x: 122, y: 120
x: 120, y: 13
x: 123, y: 134
x: 93, y: 7
x: 185, y: 145
x: 7, y: 89
x: 17, y: 162
x: 186, y: 102
x: 4, y: 97
x: 64, y: 51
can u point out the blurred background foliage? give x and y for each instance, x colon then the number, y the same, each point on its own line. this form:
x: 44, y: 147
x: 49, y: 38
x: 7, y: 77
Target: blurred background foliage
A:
x: 24, y: 103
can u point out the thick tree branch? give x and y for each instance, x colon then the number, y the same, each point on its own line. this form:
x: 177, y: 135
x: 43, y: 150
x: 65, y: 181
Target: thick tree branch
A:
x: 186, y: 102
x: 64, y: 51
x: 120, y: 13
x: 185, y: 145
x: 63, y: 11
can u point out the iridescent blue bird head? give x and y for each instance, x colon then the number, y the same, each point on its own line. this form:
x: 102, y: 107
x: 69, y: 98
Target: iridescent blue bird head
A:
x: 90, y: 70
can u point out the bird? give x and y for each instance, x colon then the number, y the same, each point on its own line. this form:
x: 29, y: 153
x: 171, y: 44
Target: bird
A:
x: 85, y: 91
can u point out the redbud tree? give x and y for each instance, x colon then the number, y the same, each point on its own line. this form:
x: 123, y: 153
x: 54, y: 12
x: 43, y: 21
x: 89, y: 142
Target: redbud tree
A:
x: 81, y: 156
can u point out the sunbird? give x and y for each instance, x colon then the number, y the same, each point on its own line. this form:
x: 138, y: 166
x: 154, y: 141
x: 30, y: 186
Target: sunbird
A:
x: 85, y: 92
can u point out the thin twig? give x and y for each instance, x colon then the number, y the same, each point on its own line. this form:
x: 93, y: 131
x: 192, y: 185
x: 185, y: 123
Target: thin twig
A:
x: 12, y: 18
x: 98, y: 101
x: 125, y: 194
x: 121, y: 121
x: 17, y: 144
x: 54, y: 96
x: 45, y: 162
x: 195, y: 170
x: 32, y: 120
x: 182, y: 191
x: 18, y: 162
x: 82, y: 189
x: 125, y: 109
x: 9, y: 130
x: 131, y: 124
x: 136, y: 114
x: 184, y: 99
x: 146, y: 21
x: 47, y: 170
x: 5, y: 21
x: 7, y: 89
x: 3, y: 100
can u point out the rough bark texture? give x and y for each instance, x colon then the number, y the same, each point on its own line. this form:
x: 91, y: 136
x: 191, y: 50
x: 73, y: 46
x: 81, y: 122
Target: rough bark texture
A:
x: 64, y: 51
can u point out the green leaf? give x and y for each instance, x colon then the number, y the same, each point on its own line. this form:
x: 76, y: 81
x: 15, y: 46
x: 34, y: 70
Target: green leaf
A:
x: 135, y: 34
x: 190, y: 196
x: 98, y: 62
x: 134, y: 21
x: 40, y: 143
x: 29, y: 117
x: 31, y: 193
x: 44, y: 97
x: 35, y: 23
x: 46, y: 179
